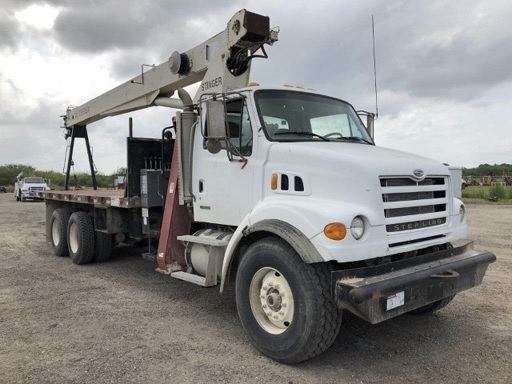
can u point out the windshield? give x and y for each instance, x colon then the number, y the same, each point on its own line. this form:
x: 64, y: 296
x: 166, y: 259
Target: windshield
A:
x: 34, y: 180
x: 298, y: 116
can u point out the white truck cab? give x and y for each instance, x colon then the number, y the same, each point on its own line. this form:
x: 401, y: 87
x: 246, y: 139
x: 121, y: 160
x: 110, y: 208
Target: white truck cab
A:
x: 27, y: 187
x: 307, y: 160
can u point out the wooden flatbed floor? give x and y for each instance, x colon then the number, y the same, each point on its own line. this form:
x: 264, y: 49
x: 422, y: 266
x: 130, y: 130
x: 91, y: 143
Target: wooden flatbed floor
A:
x: 99, y: 197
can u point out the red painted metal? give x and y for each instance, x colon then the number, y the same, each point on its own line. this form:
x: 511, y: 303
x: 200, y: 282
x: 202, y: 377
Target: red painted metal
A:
x: 175, y: 222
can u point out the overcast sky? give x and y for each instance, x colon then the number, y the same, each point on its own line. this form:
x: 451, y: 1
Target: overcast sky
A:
x: 443, y: 69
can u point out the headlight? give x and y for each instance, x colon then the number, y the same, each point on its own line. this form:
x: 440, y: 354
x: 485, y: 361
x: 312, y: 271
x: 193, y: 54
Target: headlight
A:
x: 462, y: 213
x: 357, y: 227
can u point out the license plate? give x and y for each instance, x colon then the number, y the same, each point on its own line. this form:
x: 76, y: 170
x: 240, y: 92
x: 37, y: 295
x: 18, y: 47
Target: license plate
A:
x: 394, y: 301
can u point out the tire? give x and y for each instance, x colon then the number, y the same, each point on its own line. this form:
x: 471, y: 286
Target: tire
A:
x: 59, y: 231
x: 80, y: 238
x: 102, y: 246
x: 432, y: 307
x: 303, y: 320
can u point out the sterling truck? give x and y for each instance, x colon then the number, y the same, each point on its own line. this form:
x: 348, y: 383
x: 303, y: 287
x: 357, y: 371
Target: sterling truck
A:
x: 279, y: 190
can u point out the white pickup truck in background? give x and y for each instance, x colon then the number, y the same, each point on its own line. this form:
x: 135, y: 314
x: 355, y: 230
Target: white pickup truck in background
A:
x: 26, y: 187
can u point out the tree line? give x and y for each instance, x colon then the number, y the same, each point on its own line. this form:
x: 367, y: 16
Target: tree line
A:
x: 488, y: 170
x: 9, y: 172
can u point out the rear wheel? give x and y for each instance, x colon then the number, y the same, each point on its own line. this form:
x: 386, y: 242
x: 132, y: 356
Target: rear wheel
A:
x: 80, y: 238
x: 102, y: 246
x: 284, y: 304
x: 58, y: 231
x: 432, y: 307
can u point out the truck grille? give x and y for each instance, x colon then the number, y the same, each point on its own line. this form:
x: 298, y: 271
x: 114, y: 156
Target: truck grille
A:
x: 34, y: 189
x: 411, y: 205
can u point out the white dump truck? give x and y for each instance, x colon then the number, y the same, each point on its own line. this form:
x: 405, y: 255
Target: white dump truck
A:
x: 27, y: 187
x: 281, y: 190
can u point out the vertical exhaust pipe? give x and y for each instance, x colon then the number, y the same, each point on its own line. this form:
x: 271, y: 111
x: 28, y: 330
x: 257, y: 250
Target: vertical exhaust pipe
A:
x: 185, y: 134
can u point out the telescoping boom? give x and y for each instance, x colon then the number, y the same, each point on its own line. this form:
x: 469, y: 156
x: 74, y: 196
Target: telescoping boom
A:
x: 221, y: 64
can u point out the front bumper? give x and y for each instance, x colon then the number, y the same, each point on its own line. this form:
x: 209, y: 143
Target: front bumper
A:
x: 381, y: 292
x: 31, y: 194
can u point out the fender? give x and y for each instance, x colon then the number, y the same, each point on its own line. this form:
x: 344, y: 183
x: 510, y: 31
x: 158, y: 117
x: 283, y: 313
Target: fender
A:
x: 297, y: 240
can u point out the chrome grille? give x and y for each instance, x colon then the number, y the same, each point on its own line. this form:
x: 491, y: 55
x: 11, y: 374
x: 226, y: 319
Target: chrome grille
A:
x: 411, y: 205
x: 34, y: 189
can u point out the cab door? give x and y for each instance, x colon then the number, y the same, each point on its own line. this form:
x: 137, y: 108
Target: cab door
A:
x: 222, y: 184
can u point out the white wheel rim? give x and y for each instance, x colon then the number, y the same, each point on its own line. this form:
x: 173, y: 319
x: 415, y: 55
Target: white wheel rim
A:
x: 271, y: 300
x: 55, y: 233
x: 73, y: 238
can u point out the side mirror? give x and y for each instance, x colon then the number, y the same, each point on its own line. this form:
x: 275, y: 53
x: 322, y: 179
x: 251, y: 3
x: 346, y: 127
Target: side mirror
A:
x: 370, y: 120
x: 215, y: 125
x: 215, y: 119
x: 370, y: 123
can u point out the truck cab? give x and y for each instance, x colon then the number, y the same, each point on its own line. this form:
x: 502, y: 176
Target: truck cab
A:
x: 307, y: 160
x: 28, y: 187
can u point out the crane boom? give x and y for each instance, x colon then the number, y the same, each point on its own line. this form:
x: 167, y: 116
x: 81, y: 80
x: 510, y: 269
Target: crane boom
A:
x: 223, y: 62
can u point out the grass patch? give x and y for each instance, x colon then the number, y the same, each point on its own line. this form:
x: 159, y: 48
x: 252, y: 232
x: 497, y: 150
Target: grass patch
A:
x: 488, y: 194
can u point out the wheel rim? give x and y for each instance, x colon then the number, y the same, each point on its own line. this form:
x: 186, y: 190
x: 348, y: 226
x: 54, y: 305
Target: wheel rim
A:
x: 55, y: 233
x: 73, y: 238
x: 271, y: 300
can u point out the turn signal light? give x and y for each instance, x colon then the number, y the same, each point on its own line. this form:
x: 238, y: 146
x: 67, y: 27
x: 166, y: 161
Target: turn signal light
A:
x: 273, y: 181
x: 335, y: 231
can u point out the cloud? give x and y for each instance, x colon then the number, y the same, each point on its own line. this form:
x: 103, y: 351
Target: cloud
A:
x: 451, y: 50
x: 98, y: 26
x: 9, y: 29
x: 442, y: 67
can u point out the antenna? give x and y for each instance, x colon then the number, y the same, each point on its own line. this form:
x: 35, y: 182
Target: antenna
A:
x: 375, y: 71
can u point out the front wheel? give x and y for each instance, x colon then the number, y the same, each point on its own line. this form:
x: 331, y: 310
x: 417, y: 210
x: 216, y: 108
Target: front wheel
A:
x: 284, y: 304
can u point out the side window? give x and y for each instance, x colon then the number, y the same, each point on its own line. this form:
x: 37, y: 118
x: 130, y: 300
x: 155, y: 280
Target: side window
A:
x: 239, y: 126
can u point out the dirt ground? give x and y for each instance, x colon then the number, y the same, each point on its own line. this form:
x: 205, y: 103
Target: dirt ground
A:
x: 122, y: 322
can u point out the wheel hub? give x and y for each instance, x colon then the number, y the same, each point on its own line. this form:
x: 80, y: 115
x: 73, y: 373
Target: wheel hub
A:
x: 73, y: 238
x: 55, y: 233
x: 274, y: 300
x: 273, y: 294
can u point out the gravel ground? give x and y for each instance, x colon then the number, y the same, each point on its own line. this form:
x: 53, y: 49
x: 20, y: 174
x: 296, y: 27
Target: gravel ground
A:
x: 122, y: 322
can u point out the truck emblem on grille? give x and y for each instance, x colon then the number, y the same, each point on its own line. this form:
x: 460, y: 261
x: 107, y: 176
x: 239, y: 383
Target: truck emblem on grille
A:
x: 418, y: 173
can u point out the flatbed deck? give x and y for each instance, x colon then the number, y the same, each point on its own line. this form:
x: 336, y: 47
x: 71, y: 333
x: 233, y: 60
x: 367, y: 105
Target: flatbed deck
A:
x: 99, y: 198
